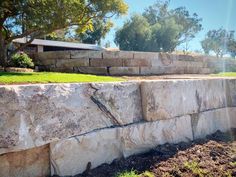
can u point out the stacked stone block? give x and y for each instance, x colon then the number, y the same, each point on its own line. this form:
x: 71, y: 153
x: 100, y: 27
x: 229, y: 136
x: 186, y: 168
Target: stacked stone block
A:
x: 57, y: 129
x: 130, y: 63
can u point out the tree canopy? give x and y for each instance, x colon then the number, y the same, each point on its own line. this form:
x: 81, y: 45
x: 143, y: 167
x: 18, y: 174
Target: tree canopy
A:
x: 34, y: 18
x: 219, y: 41
x: 163, y: 28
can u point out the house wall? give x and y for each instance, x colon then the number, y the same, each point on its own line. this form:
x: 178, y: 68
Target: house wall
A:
x: 130, y: 63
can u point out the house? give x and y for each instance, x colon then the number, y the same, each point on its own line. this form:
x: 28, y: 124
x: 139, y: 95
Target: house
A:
x: 40, y: 45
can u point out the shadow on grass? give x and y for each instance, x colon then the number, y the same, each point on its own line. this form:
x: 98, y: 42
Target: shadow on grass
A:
x: 14, y: 74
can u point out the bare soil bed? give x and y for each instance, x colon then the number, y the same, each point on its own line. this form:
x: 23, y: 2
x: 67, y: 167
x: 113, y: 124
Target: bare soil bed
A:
x: 213, y: 156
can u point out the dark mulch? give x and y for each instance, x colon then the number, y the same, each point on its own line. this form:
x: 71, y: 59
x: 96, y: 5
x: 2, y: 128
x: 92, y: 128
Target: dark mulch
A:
x: 213, y: 156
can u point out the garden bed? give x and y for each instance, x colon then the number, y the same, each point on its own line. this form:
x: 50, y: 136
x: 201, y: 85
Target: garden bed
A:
x: 213, y: 156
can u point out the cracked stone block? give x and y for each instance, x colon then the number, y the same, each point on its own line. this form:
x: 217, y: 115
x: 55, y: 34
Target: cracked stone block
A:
x: 72, y: 156
x: 34, y: 115
x: 209, y: 122
x: 170, y: 98
x: 33, y: 162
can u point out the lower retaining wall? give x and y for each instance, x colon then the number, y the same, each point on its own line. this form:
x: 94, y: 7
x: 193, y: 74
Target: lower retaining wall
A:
x: 130, y: 63
x: 57, y: 129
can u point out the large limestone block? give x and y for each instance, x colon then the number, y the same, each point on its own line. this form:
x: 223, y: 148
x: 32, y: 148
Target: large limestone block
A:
x: 53, y: 55
x: 144, y: 136
x: 208, y: 122
x: 33, y: 115
x: 106, y: 62
x: 91, y: 70
x: 230, y: 85
x: 72, y: 62
x: 71, y: 156
x: 171, y: 98
x: 117, y: 54
x: 33, y: 162
x: 86, y: 54
x: 124, y: 71
x: 231, y: 115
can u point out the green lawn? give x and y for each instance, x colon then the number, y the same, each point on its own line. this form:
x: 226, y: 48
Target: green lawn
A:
x: 52, y: 77
x: 227, y: 74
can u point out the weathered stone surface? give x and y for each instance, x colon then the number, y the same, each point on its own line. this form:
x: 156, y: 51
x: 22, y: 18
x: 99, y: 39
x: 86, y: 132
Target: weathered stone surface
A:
x: 106, y: 62
x: 230, y: 85
x: 142, y: 137
x: 35, y: 115
x: 171, y: 98
x: 152, y: 70
x: 146, y: 55
x: 72, y: 63
x: 53, y: 55
x: 117, y: 54
x: 124, y: 70
x: 85, y: 54
x: 209, y: 122
x: 71, y: 156
x: 231, y: 114
x: 33, y: 162
x: 91, y: 70
x: 136, y: 62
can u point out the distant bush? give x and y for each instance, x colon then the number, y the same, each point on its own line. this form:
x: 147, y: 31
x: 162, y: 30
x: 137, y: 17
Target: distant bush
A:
x: 22, y: 60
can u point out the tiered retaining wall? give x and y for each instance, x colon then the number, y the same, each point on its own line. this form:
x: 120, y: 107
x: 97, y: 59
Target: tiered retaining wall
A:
x: 130, y: 63
x: 57, y: 129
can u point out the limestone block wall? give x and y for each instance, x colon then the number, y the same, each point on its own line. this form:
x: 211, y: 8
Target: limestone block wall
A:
x: 57, y: 129
x: 130, y: 63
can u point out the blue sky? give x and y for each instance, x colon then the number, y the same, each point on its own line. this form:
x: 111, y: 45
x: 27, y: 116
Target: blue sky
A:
x: 215, y: 14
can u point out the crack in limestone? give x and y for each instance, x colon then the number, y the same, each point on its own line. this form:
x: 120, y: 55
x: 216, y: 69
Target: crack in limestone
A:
x: 199, y: 100
x: 103, y: 108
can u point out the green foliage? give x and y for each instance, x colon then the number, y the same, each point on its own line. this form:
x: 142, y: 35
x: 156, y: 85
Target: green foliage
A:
x: 35, y: 18
x: 195, y: 169
x: 131, y: 173
x: 99, y: 31
x: 52, y: 77
x: 158, y: 29
x: 217, y: 41
x: 134, y: 35
x: 22, y: 60
x: 231, y: 47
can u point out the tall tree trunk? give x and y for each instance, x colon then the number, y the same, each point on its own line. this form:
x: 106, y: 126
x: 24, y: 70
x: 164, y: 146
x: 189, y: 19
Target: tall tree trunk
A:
x: 3, y: 51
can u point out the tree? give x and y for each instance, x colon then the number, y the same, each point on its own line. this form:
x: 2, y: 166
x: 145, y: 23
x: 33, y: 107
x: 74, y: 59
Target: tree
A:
x: 217, y: 41
x: 99, y: 31
x: 134, y: 35
x: 35, y: 18
x: 168, y: 28
x: 231, y: 47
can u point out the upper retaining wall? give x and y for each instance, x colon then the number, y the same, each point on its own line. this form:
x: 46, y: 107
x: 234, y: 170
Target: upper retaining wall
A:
x: 130, y: 63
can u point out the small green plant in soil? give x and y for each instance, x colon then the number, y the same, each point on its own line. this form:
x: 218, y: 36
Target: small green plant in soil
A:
x: 194, y: 168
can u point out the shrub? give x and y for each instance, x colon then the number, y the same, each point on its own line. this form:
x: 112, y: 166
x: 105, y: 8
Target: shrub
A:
x: 22, y: 60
